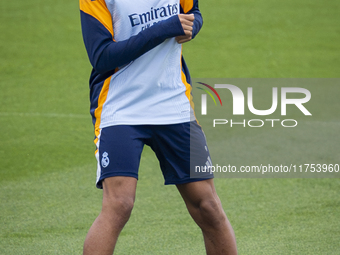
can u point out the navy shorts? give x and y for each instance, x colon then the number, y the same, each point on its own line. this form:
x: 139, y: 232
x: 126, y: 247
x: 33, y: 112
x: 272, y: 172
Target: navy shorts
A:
x: 178, y: 147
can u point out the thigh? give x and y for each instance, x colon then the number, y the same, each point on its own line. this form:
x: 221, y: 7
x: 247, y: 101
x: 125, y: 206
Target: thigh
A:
x: 195, y: 193
x: 179, y: 148
x: 118, y: 153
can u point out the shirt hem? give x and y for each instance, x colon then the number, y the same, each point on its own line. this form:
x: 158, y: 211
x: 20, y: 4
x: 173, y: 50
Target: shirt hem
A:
x: 153, y: 122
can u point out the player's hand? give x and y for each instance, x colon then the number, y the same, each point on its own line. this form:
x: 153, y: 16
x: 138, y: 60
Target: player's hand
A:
x: 187, y: 21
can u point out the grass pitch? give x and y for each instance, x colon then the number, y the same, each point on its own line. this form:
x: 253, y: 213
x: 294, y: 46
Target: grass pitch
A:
x: 47, y: 166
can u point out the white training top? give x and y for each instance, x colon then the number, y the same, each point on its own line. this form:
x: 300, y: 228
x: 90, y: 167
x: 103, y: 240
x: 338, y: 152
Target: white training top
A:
x: 150, y: 89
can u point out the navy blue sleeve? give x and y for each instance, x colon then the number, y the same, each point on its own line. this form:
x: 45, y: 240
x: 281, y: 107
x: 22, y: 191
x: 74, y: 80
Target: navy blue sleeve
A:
x: 198, y: 22
x: 106, y: 55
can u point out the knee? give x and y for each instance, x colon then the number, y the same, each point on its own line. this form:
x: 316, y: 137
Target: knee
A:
x: 119, y: 209
x: 211, y: 214
x: 124, y: 206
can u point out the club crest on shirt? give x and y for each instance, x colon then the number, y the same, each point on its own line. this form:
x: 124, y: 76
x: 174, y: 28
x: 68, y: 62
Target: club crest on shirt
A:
x: 105, y: 159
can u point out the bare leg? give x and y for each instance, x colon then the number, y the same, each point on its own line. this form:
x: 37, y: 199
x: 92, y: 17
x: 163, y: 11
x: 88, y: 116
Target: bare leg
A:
x: 205, y: 208
x: 118, y: 199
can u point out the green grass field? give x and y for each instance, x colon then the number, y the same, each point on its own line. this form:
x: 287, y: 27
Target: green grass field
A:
x: 47, y: 164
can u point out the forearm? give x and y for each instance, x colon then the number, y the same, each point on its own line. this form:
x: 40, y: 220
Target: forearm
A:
x: 105, y: 54
x: 120, y: 53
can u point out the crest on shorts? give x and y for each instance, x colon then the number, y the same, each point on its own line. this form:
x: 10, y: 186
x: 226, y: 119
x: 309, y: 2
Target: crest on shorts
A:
x: 105, y: 159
